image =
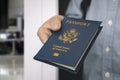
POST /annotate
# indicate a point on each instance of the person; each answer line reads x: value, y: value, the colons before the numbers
x: 103, y: 60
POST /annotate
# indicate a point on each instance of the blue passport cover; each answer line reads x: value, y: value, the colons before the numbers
x: 68, y: 47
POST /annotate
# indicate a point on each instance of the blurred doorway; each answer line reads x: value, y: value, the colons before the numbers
x: 11, y: 39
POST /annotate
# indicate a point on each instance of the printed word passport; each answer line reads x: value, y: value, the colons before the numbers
x: 68, y: 47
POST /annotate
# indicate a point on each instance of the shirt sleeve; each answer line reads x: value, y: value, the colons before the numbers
x: 73, y: 9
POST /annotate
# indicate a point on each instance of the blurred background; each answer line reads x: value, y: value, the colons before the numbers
x: 11, y: 39
x: 16, y: 60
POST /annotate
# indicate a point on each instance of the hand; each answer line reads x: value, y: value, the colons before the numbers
x: 53, y: 24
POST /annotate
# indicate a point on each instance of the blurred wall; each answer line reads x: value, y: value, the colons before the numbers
x: 35, y: 13
x: 15, y: 8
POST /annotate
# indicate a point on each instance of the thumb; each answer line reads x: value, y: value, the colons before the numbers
x: 55, y: 23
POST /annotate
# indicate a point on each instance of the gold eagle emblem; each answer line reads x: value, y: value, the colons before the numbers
x: 69, y: 36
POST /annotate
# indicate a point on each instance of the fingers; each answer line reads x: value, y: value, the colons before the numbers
x: 44, y: 34
x: 53, y: 24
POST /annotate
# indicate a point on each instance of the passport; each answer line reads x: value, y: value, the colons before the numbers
x: 68, y: 47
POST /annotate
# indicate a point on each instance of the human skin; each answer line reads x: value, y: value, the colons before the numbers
x: 49, y: 26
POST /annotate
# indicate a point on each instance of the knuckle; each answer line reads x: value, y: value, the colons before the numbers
x: 39, y: 31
